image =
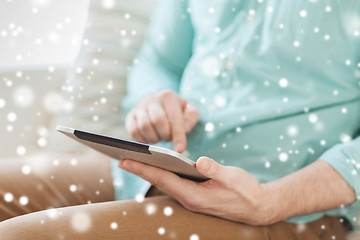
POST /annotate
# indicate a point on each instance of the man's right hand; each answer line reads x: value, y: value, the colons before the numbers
x: 163, y: 116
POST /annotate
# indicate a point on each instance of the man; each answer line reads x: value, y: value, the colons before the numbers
x: 269, y: 83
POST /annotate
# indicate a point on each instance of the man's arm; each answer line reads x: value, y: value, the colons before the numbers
x: 164, y: 55
x: 152, y: 107
x: 315, y: 188
x: 233, y: 194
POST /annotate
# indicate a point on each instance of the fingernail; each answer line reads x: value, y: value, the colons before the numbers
x: 187, y: 127
x: 125, y: 164
x: 179, y: 147
x: 205, y: 165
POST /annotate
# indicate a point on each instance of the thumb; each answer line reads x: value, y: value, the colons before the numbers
x: 191, y: 116
x: 210, y: 168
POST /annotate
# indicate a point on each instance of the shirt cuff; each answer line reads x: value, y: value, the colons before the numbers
x: 345, y: 159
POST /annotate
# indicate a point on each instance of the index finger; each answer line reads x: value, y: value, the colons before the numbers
x: 175, y: 115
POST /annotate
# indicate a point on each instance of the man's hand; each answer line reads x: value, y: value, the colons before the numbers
x: 231, y: 192
x: 162, y: 116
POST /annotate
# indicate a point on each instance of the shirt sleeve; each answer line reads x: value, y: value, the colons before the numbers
x: 164, y: 54
x: 345, y: 159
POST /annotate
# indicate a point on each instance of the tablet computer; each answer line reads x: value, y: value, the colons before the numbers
x: 124, y: 149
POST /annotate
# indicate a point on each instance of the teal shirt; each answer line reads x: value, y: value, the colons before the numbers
x: 276, y: 84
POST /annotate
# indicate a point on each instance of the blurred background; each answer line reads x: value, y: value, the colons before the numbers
x: 65, y: 62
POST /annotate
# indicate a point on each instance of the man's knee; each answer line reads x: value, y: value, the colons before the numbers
x: 29, y: 226
x: 58, y: 223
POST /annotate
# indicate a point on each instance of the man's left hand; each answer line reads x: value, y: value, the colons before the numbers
x: 230, y: 193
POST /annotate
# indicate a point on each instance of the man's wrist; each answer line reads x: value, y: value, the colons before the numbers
x: 270, y: 206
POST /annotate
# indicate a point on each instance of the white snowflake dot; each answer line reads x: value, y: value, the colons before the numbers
x: 56, y: 162
x: 118, y: 182
x: 73, y: 188
x: 150, y: 209
x: 42, y: 142
x: 313, y: 118
x: 108, y: 4
x: 42, y: 131
x: 283, y: 82
x: 52, y: 213
x: 20, y: 150
x: 23, y: 96
x: 8, y: 197
x: 296, y: 43
x: 95, y: 61
x: 2, y: 103
x: 194, y: 237
x: 168, y: 211
x: 209, y: 127
x: 81, y: 221
x: 19, y: 74
x: 139, y: 198
x: 303, y: 13
x: 26, y: 169
x: 23, y: 200
x: 283, y: 157
x: 103, y: 100
x: 11, y: 117
x: 161, y: 231
x: 292, y: 130
x: 95, y: 118
x: 220, y: 101
x: 113, y: 225
x: 344, y: 138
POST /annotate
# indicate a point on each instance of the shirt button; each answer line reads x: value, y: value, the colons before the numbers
x: 250, y: 17
x: 229, y: 64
